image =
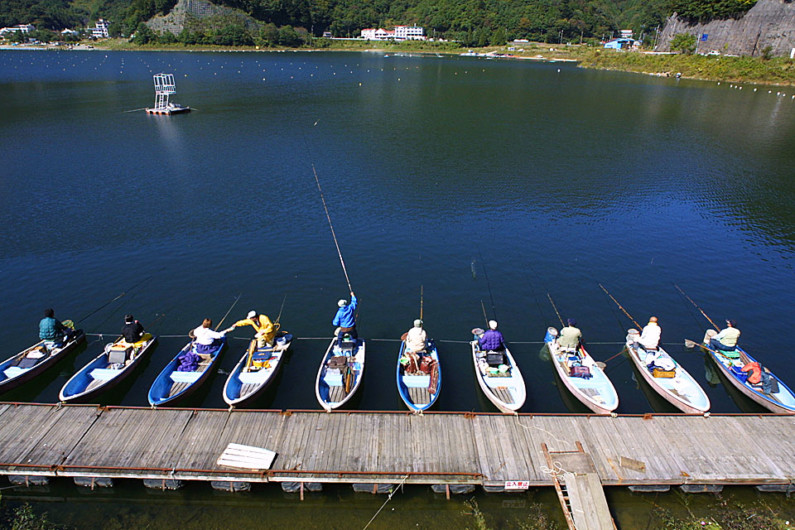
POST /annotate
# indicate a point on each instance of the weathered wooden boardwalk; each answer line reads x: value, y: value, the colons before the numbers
x: 384, y: 447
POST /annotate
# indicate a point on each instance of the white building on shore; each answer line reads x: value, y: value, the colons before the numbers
x: 400, y: 33
x: 21, y: 28
x: 100, y: 30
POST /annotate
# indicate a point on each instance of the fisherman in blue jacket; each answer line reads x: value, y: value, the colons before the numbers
x: 345, y: 319
x: 50, y: 329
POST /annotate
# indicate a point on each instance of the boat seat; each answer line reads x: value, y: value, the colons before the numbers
x: 93, y: 384
x: 246, y: 389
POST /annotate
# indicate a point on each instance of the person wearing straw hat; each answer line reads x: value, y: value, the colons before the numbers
x: 726, y: 340
x: 265, y: 329
x: 345, y: 319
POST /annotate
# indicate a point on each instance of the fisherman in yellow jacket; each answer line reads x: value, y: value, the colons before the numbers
x: 266, y: 330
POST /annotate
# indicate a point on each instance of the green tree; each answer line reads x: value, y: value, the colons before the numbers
x: 684, y: 43
x: 143, y: 34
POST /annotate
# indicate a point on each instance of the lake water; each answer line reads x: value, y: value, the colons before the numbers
x: 485, y: 183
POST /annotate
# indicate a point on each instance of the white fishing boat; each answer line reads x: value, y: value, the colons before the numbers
x: 255, y: 371
x: 671, y: 381
x: 584, y: 378
x: 340, y: 373
x: 770, y: 392
x: 499, y: 377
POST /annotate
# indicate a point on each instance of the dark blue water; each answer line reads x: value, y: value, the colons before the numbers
x: 488, y: 183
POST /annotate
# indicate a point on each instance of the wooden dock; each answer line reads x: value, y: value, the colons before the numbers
x: 488, y: 450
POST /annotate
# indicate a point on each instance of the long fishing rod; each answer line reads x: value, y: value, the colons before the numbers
x: 696, y: 305
x: 228, y: 311
x: 421, y: 301
x: 620, y: 306
x: 331, y: 226
x: 106, y: 304
x: 281, y: 308
x: 483, y: 306
x: 556, y: 310
x: 488, y: 284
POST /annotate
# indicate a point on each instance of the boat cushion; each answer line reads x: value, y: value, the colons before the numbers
x: 734, y: 354
x: 417, y: 381
x: 581, y: 371
x: 184, y: 377
x: 659, y: 372
x: 739, y: 374
x: 104, y: 374
x: 28, y: 362
x: 13, y: 371
x: 333, y: 378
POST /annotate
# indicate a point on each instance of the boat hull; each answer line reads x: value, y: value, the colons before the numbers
x: 405, y: 382
x: 328, y: 383
x: 781, y: 402
x: 513, y: 387
x: 700, y: 402
x: 17, y: 377
x: 160, y: 392
x: 597, y: 393
x: 77, y: 388
x: 234, y: 388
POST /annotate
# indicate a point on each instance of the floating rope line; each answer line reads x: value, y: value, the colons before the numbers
x: 389, y: 498
x: 331, y: 226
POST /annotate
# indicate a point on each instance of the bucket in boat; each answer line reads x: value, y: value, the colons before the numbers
x: 551, y: 335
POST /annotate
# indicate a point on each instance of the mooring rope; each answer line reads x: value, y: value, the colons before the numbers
x: 389, y: 498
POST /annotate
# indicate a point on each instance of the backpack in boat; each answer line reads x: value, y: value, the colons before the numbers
x: 581, y: 371
x: 494, y: 358
x: 337, y: 361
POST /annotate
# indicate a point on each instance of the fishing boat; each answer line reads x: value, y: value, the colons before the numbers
x: 340, y: 373
x: 255, y: 371
x: 173, y: 385
x: 419, y: 381
x: 584, y: 378
x: 673, y: 383
x: 770, y: 393
x: 32, y: 361
x: 108, y: 369
x: 499, y: 377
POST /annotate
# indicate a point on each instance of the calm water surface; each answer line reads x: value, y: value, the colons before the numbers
x: 488, y: 183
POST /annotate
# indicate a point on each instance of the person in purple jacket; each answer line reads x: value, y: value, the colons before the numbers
x: 492, y: 340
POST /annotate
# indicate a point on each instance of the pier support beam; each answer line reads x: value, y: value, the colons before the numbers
x: 375, y: 489
x: 163, y: 484
x: 231, y: 486
x: 93, y: 482
x: 28, y: 480
x: 453, y: 489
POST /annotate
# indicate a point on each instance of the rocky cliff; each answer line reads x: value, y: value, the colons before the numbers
x: 768, y: 23
x: 188, y: 11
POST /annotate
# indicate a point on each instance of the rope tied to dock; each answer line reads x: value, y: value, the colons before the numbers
x: 389, y: 498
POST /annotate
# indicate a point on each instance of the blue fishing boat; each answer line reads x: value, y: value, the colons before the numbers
x: 32, y: 361
x: 419, y: 379
x: 340, y: 373
x: 112, y: 366
x: 583, y: 376
x: 173, y: 385
x: 255, y: 371
x: 770, y: 392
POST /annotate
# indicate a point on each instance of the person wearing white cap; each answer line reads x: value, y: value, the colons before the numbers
x: 416, y: 338
x: 266, y: 330
x: 345, y: 319
x: 492, y: 340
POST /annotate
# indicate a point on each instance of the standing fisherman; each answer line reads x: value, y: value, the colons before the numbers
x: 345, y: 319
x: 266, y: 330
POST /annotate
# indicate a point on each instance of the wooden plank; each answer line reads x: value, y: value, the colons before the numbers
x: 588, y: 503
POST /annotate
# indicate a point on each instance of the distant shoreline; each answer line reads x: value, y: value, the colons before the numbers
x: 777, y: 71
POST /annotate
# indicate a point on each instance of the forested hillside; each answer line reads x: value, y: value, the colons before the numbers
x: 473, y: 22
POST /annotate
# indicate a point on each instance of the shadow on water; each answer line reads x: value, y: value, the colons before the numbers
x: 715, y: 376
x: 569, y: 400
x: 657, y: 402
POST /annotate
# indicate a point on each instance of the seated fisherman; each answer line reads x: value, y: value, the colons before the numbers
x: 133, y: 331
x: 726, y: 340
x: 416, y: 338
x: 207, y: 339
x: 492, y: 340
x: 570, y: 336
x: 265, y: 329
x: 51, y: 330
x: 650, y: 336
